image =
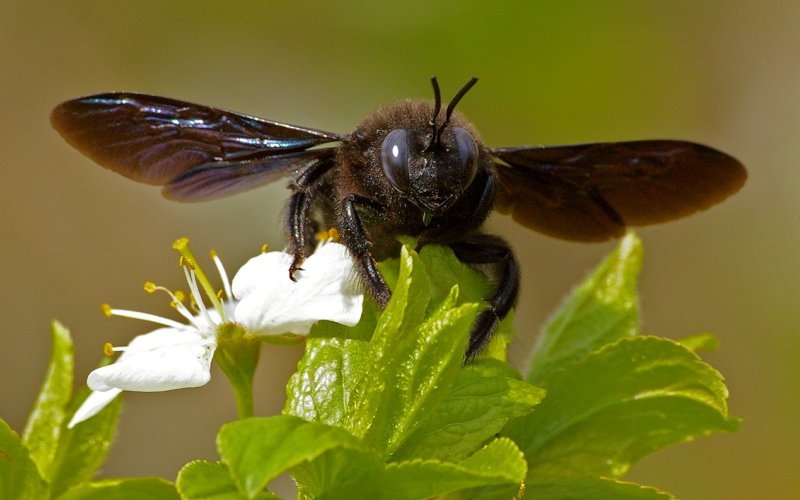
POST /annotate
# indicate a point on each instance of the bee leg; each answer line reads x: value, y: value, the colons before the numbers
x: 298, y: 224
x: 487, y: 249
x: 355, y: 238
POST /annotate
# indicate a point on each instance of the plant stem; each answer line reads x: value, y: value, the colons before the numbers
x: 237, y: 356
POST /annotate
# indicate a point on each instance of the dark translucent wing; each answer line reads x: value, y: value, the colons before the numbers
x: 591, y: 192
x: 215, y: 180
x: 155, y: 139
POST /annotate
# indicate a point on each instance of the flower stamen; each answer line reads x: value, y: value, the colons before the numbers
x: 197, y: 299
x: 176, y: 299
x: 188, y: 261
x: 226, y: 283
x: 109, y: 311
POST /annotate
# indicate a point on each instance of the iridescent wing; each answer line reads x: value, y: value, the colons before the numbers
x: 197, y: 152
x: 591, y: 192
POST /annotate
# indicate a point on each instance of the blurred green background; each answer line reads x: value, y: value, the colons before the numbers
x: 717, y: 72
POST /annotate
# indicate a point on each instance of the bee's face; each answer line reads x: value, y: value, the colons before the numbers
x: 433, y: 175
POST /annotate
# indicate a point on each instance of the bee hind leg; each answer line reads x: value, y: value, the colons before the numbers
x: 488, y: 249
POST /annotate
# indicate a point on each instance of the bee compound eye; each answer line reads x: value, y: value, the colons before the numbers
x: 394, y: 157
x: 467, y: 155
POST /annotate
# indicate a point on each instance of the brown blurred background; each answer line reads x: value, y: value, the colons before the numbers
x: 723, y: 73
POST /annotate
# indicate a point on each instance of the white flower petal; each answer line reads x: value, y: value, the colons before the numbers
x: 270, y: 303
x: 162, y: 360
x: 267, y: 273
x: 92, y: 405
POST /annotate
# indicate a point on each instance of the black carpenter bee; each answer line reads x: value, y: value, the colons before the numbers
x: 410, y: 168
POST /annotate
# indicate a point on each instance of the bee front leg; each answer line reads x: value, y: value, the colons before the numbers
x: 355, y: 238
x: 298, y: 224
x: 487, y: 249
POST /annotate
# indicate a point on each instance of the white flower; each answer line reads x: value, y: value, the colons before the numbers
x: 262, y: 299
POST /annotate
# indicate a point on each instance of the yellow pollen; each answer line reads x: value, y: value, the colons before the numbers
x: 174, y: 304
x: 219, y: 294
x: 321, y: 235
x: 333, y: 234
x: 179, y: 295
x: 186, y: 262
x: 149, y: 287
x: 264, y: 248
x: 106, y: 309
x: 212, y: 253
x: 108, y: 349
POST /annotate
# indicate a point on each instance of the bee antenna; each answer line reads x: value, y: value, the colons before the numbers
x: 450, y: 107
x: 437, y: 96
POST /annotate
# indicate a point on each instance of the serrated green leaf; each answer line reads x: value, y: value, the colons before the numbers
x: 603, y: 309
x: 321, y: 388
x: 257, y: 450
x: 485, y: 396
x: 151, y: 488
x: 19, y: 477
x: 202, y: 480
x: 500, y: 458
x: 389, y: 345
x: 420, y: 377
x: 82, y: 449
x: 340, y: 473
x: 620, y: 403
x: 380, y: 390
x: 344, y: 474
x: 499, y: 462
x: 497, y: 348
x: 447, y: 271
x: 566, y: 488
x: 591, y: 488
x: 45, y: 421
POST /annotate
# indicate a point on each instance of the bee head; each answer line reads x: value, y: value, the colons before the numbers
x: 432, y: 165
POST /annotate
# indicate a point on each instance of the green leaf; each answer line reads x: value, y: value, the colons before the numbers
x: 19, y: 477
x: 43, y: 428
x: 202, y: 480
x: 82, y: 449
x: 379, y: 390
x: 257, y: 450
x: 500, y: 462
x: 322, y: 386
x: 601, y: 310
x: 566, y: 488
x: 343, y: 474
x: 591, y: 488
x: 497, y: 348
x: 338, y: 473
x: 486, y: 395
x: 420, y: 375
x: 405, y: 312
x: 447, y: 271
x: 151, y: 488
x: 620, y: 403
